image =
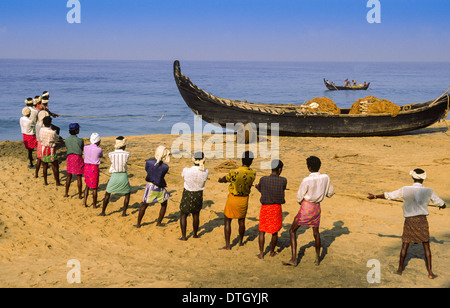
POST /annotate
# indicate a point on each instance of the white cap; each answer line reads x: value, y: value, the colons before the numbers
x: 95, y: 137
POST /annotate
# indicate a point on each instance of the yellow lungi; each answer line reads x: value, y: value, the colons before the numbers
x: 236, y: 207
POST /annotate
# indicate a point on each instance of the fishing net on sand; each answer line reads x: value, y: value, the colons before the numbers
x: 227, y: 166
x: 319, y: 105
x: 371, y: 104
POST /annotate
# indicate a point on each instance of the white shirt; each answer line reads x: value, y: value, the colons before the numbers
x: 27, y: 126
x: 415, y: 199
x: 194, y: 179
x: 33, y: 113
x: 314, y: 188
x: 119, y: 160
x: 38, y: 128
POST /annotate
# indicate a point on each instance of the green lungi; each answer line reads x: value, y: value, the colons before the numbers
x: 118, y: 183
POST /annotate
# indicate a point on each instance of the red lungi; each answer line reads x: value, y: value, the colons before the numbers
x: 75, y: 164
x: 270, y: 218
x: 29, y: 141
x: 91, y: 175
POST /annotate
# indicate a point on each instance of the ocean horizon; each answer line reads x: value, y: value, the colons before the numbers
x: 139, y: 92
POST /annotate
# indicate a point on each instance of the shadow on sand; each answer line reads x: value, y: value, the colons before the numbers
x: 327, y: 237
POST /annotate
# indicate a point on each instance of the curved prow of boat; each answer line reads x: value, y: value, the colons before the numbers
x: 331, y: 86
x: 291, y: 120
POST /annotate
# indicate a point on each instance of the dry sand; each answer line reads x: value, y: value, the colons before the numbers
x: 40, y: 230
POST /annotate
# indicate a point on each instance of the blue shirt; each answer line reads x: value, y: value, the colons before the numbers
x: 156, y: 174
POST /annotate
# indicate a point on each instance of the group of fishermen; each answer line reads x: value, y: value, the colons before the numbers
x: 38, y: 132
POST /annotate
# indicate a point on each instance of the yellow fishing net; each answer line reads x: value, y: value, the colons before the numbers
x: 372, y: 104
x: 321, y: 105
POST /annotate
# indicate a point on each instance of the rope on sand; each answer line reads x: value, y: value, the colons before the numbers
x: 364, y: 197
x: 351, y: 195
x: 142, y: 167
x: 441, y: 161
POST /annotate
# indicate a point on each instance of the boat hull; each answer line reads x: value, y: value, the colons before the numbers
x: 220, y: 111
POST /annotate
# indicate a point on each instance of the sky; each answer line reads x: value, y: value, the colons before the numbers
x: 226, y: 30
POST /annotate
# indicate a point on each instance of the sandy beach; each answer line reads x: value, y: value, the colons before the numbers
x: 40, y: 230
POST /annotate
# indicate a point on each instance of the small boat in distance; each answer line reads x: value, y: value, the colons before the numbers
x: 331, y: 86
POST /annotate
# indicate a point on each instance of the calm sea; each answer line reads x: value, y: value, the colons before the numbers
x: 132, y: 89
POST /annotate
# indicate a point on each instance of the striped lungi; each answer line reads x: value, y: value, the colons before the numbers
x: 309, y: 214
x: 48, y: 154
x: 416, y: 230
x: 155, y: 194
x: 39, y: 150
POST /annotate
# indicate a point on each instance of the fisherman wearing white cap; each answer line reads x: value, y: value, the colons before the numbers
x: 45, y: 97
x: 27, y: 127
x: 192, y: 198
x: 39, y: 124
x: 37, y: 102
x: 155, y: 189
x: 92, y: 155
x: 118, y: 182
x: 415, y: 210
x: 32, y: 106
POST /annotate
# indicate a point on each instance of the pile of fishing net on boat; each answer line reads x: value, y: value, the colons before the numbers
x: 371, y: 104
x: 318, y: 105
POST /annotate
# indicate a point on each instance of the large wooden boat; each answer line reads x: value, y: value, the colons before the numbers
x: 333, y: 87
x: 292, y: 121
